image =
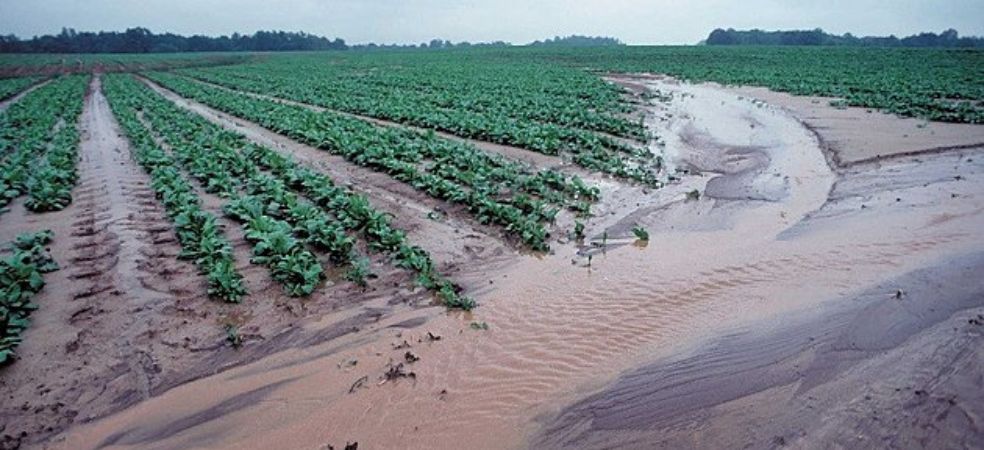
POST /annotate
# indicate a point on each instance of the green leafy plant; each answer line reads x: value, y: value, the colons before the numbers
x: 359, y: 272
x: 39, y: 145
x: 21, y: 277
x: 578, y: 230
x: 288, y: 211
x: 232, y: 336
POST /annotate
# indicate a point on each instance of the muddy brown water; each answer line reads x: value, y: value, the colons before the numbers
x: 801, y: 371
x: 555, y: 329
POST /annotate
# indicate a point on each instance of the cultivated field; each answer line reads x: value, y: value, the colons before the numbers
x: 686, y: 246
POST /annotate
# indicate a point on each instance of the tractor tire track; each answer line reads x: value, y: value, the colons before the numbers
x: 99, y: 312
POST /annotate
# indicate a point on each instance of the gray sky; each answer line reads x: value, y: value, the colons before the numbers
x: 517, y: 21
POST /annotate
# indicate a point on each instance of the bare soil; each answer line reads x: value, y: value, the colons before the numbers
x: 856, y: 134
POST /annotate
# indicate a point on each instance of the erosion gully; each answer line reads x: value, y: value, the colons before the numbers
x: 776, y: 236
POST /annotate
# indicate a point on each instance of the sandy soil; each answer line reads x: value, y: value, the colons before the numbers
x: 859, y: 134
x: 848, y: 134
x: 762, y: 314
x: 872, y: 371
x: 779, y: 249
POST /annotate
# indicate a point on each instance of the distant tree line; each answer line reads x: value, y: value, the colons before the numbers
x: 578, y: 41
x: 568, y: 41
x: 142, y: 40
x: 948, y: 38
x: 433, y: 44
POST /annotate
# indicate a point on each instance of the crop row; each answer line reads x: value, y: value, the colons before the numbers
x: 39, y: 144
x: 412, y: 106
x: 198, y: 232
x: 284, y: 208
x: 210, y: 157
x: 489, y: 187
x: 935, y: 84
x: 10, y: 87
x: 290, y: 264
x: 541, y: 93
x: 21, y: 276
x: 458, y: 162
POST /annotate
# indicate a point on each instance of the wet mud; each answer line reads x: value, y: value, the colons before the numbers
x: 860, y: 368
x: 765, y: 311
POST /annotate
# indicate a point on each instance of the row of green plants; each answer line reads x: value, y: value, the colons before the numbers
x: 408, y: 104
x: 347, y: 214
x: 493, y: 189
x: 10, y: 87
x: 530, y: 93
x: 21, y: 277
x: 200, y: 235
x: 463, y: 163
x: 934, y: 84
x: 43, y: 64
x: 209, y: 155
x: 286, y: 208
x: 39, y: 145
x: 49, y: 186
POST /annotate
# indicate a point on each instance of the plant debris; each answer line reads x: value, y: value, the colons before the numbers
x: 359, y: 383
x: 395, y: 372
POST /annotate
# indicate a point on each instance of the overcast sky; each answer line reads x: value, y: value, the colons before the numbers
x: 517, y: 21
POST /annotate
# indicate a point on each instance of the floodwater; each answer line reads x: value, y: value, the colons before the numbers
x: 776, y: 232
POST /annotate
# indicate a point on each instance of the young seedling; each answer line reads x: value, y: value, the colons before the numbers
x: 233, y: 337
x: 641, y: 234
x: 578, y: 230
x: 359, y: 272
